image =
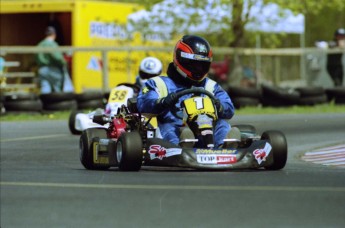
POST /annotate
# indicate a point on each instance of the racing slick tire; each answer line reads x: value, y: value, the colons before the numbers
x: 129, y: 149
x: 71, y: 122
x: 279, y: 149
x: 86, y: 148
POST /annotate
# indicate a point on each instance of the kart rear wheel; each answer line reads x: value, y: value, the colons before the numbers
x: 129, y: 151
x: 86, y: 148
x: 71, y: 122
x: 279, y: 149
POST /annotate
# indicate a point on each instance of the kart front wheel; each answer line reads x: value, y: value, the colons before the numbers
x: 87, y: 149
x: 71, y: 122
x: 129, y: 151
x: 279, y: 149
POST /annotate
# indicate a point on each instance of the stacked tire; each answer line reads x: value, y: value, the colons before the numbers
x: 243, y: 97
x: 90, y: 100
x: 2, y: 107
x: 336, y: 95
x: 58, y: 101
x: 311, y: 95
x: 21, y: 102
x: 279, y: 97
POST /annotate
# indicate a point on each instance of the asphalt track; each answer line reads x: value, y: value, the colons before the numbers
x: 43, y: 183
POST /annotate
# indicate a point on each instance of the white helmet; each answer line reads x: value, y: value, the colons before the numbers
x: 150, y: 67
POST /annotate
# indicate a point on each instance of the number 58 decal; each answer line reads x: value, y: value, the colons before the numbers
x: 118, y: 96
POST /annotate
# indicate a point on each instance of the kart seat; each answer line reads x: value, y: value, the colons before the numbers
x: 233, y: 138
x: 187, y: 138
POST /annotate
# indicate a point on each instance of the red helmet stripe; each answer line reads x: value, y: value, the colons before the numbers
x: 184, y: 47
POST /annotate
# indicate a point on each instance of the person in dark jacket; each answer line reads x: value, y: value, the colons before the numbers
x: 335, y: 67
x: 191, y: 63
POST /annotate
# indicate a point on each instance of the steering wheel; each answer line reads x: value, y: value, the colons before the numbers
x: 174, y: 110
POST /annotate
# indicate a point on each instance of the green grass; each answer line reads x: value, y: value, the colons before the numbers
x: 323, y: 108
x: 63, y: 115
x: 35, y: 116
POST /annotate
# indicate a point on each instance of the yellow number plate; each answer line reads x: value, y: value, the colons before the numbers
x: 118, y: 95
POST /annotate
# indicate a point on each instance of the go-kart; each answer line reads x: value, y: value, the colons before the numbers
x: 130, y: 141
x: 118, y: 96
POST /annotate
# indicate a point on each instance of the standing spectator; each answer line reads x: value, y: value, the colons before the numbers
x: 334, y: 61
x: 52, y: 71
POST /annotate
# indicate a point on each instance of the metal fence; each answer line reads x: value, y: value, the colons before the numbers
x: 275, y: 65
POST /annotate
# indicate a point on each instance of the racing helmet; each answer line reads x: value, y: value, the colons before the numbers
x: 193, y: 57
x: 150, y: 67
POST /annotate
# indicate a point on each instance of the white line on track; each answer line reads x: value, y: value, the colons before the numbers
x: 324, y: 158
x: 324, y: 155
x: 177, y: 187
x: 326, y: 152
x: 33, y: 138
x: 330, y: 161
x: 330, y: 156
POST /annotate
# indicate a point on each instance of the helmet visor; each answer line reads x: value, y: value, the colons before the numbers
x: 144, y: 75
x: 197, y: 69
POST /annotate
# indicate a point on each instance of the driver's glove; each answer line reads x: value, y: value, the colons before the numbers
x: 168, y: 101
x: 219, y: 106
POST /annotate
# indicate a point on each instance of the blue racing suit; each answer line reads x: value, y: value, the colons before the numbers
x: 160, y: 86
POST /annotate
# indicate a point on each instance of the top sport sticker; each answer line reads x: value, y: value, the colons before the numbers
x: 216, y: 159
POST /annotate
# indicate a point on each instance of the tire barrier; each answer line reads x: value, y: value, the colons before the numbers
x: 279, y: 97
x: 336, y: 95
x: 106, y: 96
x: 90, y: 100
x: 2, y: 107
x: 243, y: 97
x: 58, y: 101
x: 91, y: 104
x: 56, y: 97
x: 23, y: 105
x: 241, y: 102
x: 61, y: 106
x: 266, y: 95
x: 21, y: 102
x: 274, y: 96
x: 312, y: 95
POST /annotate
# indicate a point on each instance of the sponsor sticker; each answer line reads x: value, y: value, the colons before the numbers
x: 105, y: 30
x: 261, y: 154
x: 195, y: 56
x: 216, y: 151
x: 226, y: 159
x: 98, y: 157
x: 159, y: 152
x: 216, y: 159
x: 94, y: 64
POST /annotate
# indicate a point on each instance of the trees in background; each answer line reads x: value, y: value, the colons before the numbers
x: 322, y: 17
